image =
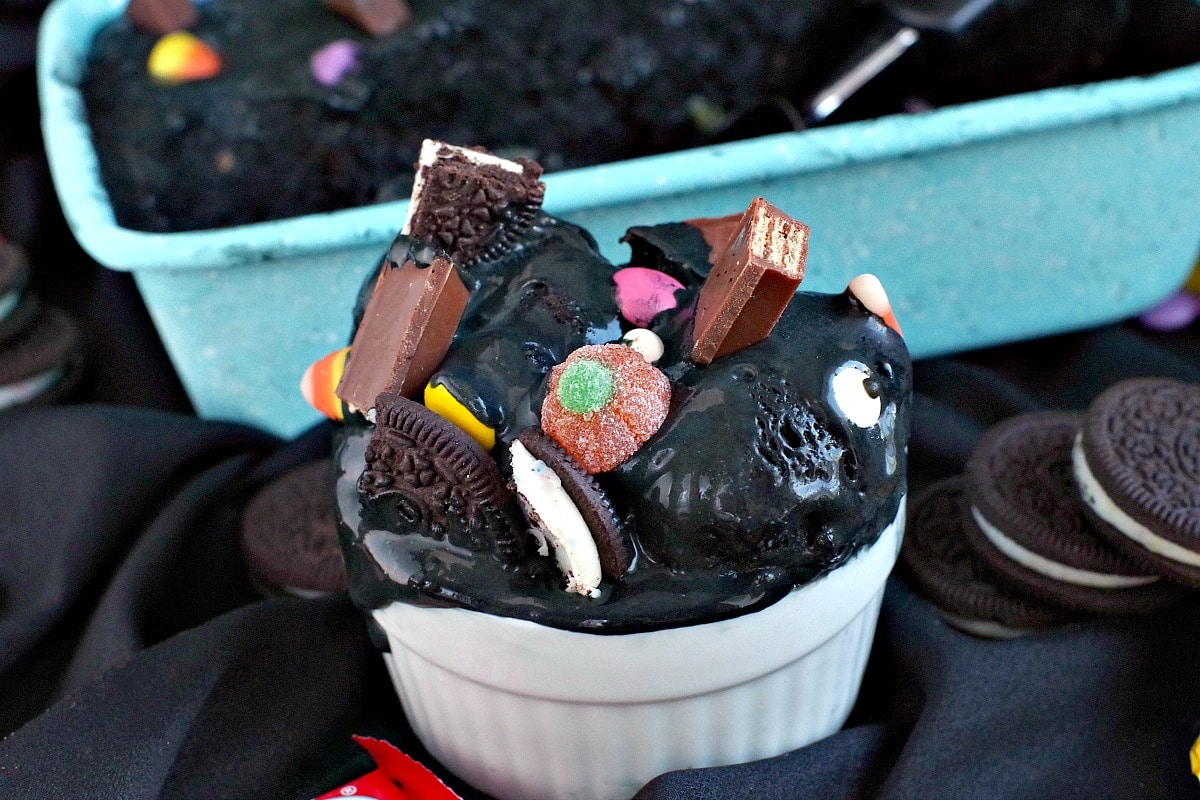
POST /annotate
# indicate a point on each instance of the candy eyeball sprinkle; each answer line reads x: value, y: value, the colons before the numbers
x: 855, y: 392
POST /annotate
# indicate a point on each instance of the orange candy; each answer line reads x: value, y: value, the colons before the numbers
x: 604, y: 402
x: 321, y: 379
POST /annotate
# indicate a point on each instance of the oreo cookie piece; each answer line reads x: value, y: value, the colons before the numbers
x: 1137, y: 468
x: 438, y: 480
x: 1023, y: 517
x: 289, y: 534
x: 945, y: 570
x: 612, y: 544
x: 471, y: 203
x: 20, y: 318
x: 43, y: 364
x: 14, y: 275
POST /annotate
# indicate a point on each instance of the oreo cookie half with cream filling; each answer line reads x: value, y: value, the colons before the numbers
x: 471, y: 203
x: 42, y: 364
x: 1023, y: 517
x: 1137, y: 467
x: 945, y: 570
x: 566, y: 506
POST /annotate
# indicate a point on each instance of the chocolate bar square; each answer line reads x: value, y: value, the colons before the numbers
x: 405, y: 331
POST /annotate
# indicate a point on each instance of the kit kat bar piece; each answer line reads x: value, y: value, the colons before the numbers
x: 376, y: 17
x: 161, y: 17
x: 717, y: 232
x: 749, y: 286
x: 405, y: 331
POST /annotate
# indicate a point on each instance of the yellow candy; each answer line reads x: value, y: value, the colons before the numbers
x: 439, y: 400
x: 1196, y: 758
x: 180, y: 57
x: 1193, y: 281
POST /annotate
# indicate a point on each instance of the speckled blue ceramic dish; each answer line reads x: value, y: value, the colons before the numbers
x: 989, y: 222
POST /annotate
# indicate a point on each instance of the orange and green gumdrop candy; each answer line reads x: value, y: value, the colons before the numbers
x: 604, y: 402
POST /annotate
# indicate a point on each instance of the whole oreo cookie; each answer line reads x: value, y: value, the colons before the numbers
x: 944, y: 569
x: 1023, y: 517
x: 1137, y: 466
x: 612, y: 544
x: 43, y: 364
x: 289, y: 534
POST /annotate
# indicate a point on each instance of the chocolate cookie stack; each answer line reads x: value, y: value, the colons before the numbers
x: 1062, y: 515
x: 40, y: 357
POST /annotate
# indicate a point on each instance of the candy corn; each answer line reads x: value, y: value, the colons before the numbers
x: 319, y: 384
x: 180, y: 57
x: 869, y: 291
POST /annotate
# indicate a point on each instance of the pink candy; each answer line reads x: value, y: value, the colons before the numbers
x: 333, y: 61
x: 644, y: 292
x: 1175, y: 313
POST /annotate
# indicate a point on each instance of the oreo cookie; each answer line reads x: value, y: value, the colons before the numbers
x: 1137, y: 467
x: 289, y: 534
x: 14, y: 275
x: 471, y: 203
x: 1023, y: 517
x: 438, y: 480
x: 612, y: 544
x: 43, y: 363
x: 943, y: 568
x: 20, y: 317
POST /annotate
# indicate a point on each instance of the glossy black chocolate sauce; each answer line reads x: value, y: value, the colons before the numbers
x: 755, y: 484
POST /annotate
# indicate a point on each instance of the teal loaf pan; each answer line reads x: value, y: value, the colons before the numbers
x: 989, y: 222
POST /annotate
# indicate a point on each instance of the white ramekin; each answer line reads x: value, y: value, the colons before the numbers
x: 527, y: 712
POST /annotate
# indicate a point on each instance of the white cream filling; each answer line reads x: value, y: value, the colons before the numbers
x: 1099, y: 501
x: 302, y: 592
x: 431, y: 151
x: 23, y: 391
x: 9, y: 302
x: 980, y: 627
x: 1052, y: 569
x: 556, y: 520
x: 849, y: 391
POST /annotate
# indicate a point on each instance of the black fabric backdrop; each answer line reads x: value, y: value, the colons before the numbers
x: 137, y: 662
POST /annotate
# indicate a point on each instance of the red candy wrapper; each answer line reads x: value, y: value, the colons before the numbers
x: 396, y: 777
